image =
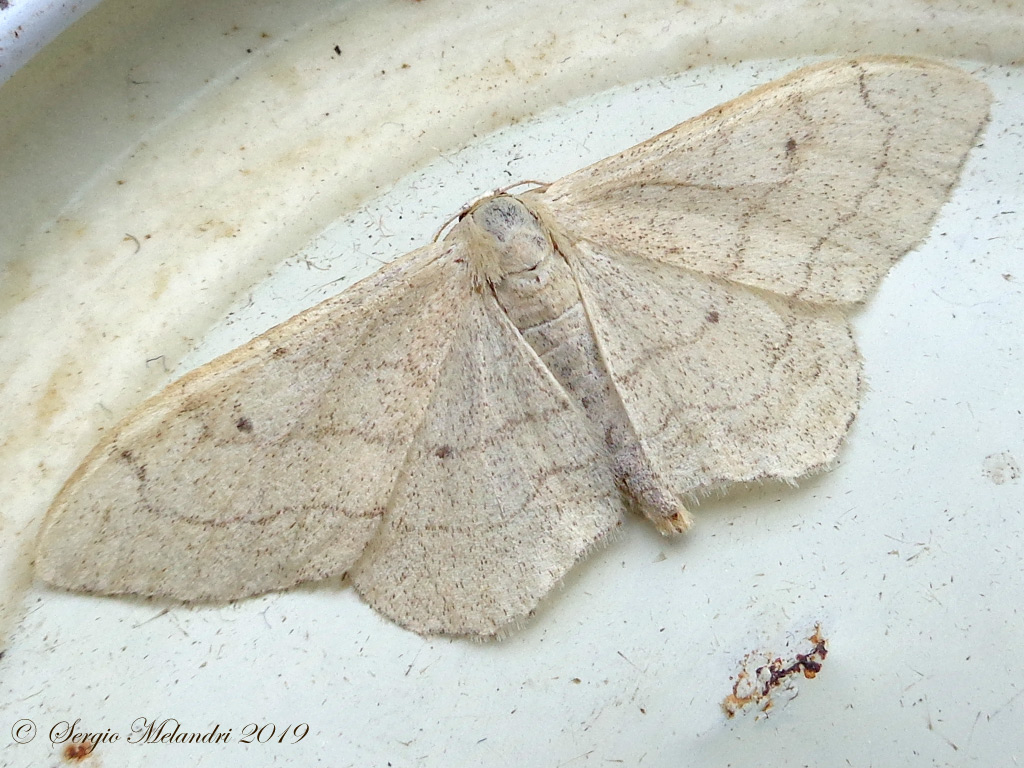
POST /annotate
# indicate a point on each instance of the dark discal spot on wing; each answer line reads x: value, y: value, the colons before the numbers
x: 132, y: 461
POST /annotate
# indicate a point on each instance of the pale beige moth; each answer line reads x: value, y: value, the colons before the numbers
x: 457, y: 430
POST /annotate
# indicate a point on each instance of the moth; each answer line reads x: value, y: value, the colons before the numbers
x: 457, y: 430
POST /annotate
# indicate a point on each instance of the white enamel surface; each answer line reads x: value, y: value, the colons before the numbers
x: 907, y: 553
x: 26, y: 26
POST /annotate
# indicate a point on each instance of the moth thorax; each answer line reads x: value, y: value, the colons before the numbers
x: 530, y: 278
x: 507, y: 238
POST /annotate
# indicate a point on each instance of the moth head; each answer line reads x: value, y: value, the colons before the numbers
x: 505, y: 237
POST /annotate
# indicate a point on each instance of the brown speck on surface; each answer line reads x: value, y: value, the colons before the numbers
x: 337, y: 50
x: 712, y: 316
x: 243, y: 425
x: 443, y: 451
x: 790, y: 145
x: 77, y: 751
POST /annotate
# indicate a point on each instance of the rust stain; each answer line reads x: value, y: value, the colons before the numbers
x: 754, y: 685
x: 77, y: 751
